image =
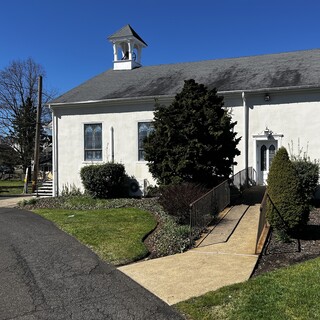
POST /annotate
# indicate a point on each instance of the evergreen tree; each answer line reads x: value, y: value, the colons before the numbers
x: 289, y: 209
x: 24, y: 129
x: 193, y: 138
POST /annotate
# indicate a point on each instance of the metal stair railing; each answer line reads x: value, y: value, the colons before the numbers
x: 263, y: 222
x: 203, y: 210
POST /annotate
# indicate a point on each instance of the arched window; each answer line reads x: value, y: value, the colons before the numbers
x: 93, y: 142
x: 144, y: 129
x: 272, y: 151
x: 263, y: 158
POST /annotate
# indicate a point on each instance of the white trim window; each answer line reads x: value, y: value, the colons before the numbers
x: 144, y: 129
x: 93, y: 142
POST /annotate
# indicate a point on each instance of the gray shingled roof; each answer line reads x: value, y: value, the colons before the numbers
x: 292, y: 69
x: 126, y: 31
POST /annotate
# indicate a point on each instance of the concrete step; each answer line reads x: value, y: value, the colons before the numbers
x: 47, y: 184
x: 45, y: 189
x: 42, y: 194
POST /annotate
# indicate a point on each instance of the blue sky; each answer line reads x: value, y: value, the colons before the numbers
x: 69, y: 37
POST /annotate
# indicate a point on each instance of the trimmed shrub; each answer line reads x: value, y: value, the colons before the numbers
x: 290, y: 210
x: 308, y: 174
x: 105, y: 180
x: 307, y: 171
x: 176, y: 199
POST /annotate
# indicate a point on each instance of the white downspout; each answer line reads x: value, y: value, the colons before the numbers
x: 111, y: 144
x: 55, y: 154
x: 246, y: 136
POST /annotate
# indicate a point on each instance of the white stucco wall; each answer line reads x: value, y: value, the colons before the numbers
x: 124, y: 119
x: 234, y: 105
x: 295, y: 115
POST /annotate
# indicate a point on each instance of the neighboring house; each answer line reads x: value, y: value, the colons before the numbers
x: 274, y: 98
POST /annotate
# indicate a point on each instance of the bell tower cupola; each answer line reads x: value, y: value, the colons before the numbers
x: 127, y: 47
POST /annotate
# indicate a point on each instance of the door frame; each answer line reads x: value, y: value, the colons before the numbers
x: 268, y: 136
x: 262, y: 175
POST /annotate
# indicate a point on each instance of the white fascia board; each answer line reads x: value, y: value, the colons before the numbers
x: 169, y: 98
x: 112, y: 102
x: 295, y: 89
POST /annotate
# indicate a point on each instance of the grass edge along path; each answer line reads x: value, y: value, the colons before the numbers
x: 288, y: 293
x: 115, y: 235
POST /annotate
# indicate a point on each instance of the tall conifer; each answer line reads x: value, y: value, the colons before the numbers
x: 193, y: 140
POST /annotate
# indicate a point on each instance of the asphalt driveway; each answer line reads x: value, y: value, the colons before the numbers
x: 47, y: 274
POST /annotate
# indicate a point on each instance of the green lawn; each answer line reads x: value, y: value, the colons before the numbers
x: 114, y: 234
x: 11, y: 187
x: 11, y: 183
x: 290, y: 293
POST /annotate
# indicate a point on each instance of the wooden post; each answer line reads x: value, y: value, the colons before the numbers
x: 25, y: 187
x: 37, y: 139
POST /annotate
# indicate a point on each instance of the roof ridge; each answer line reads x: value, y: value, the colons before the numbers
x: 235, y: 58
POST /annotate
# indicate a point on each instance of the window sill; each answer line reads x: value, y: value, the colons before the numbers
x: 91, y: 161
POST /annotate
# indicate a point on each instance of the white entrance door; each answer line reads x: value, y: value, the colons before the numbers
x: 266, y: 150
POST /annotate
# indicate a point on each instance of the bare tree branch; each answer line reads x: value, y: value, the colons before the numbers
x: 18, y: 99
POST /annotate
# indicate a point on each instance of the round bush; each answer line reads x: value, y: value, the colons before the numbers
x: 105, y: 180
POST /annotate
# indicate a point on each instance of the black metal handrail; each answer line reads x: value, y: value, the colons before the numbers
x: 262, y: 218
x: 244, y: 178
x: 203, y: 210
x: 263, y: 221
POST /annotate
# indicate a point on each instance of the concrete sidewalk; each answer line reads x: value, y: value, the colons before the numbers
x: 221, y: 259
x: 12, y: 202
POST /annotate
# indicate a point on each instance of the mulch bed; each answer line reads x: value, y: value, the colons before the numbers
x: 277, y: 254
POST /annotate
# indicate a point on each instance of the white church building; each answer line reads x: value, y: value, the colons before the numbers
x: 274, y: 98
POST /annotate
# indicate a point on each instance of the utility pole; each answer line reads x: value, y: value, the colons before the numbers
x: 37, y: 139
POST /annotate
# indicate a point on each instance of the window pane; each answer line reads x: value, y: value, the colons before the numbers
x: 141, y: 155
x: 97, y: 155
x: 88, y: 155
x: 272, y: 151
x: 88, y: 137
x: 97, y: 137
x: 263, y: 157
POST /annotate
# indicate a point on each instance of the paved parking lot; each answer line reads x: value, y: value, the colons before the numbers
x: 47, y: 274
